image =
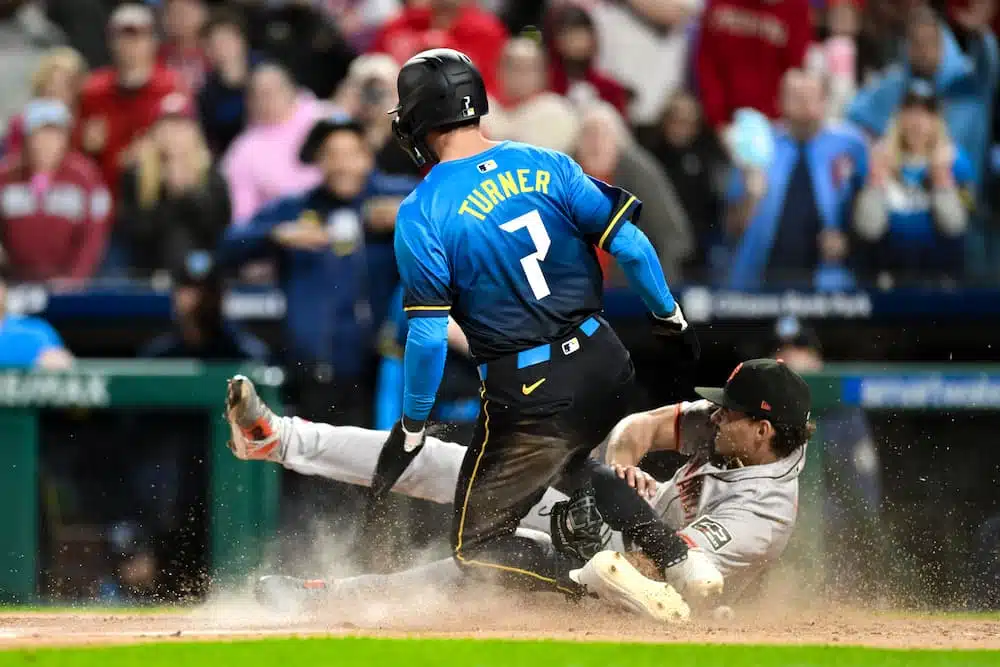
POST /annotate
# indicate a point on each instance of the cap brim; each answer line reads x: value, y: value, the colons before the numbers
x: 715, y: 395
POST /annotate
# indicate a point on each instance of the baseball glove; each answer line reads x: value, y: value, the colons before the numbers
x: 577, y: 527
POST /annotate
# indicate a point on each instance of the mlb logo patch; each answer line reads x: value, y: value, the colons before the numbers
x: 570, y: 346
x: 486, y: 167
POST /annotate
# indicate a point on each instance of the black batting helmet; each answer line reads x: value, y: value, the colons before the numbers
x: 437, y: 89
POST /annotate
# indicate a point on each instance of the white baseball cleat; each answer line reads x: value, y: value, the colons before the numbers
x: 695, y: 577
x: 252, y: 424
x: 611, y: 577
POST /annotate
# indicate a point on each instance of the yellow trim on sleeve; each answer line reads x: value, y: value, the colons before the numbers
x: 614, y: 221
x: 409, y: 308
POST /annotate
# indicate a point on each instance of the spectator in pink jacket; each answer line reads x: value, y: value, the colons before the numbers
x: 263, y: 162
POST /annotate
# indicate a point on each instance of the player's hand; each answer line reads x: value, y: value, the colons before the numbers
x: 674, y: 322
x: 396, y: 454
x: 679, y: 336
x: 638, y: 479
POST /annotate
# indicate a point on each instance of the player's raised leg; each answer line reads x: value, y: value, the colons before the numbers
x: 342, y: 453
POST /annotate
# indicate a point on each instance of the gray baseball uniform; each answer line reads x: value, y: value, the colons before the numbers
x: 741, y: 517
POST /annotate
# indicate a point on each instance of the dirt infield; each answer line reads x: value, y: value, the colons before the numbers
x: 539, y: 617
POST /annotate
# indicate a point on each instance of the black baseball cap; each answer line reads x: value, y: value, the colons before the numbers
x: 322, y: 129
x: 766, y: 389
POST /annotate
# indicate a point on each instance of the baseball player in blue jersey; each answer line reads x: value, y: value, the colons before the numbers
x: 502, y: 236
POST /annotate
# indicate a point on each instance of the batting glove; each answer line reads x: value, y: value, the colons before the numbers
x: 679, y: 336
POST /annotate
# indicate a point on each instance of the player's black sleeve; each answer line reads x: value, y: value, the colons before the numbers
x: 598, y: 209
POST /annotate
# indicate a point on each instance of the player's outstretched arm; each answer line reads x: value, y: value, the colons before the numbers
x: 423, y: 368
x: 604, y: 214
x: 640, y: 433
x: 641, y: 265
x: 425, y: 275
x: 681, y: 427
x: 638, y: 259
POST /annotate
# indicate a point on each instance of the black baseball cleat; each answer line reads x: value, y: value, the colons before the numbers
x: 290, y: 595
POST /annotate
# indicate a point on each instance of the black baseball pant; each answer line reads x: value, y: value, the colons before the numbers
x: 543, y: 412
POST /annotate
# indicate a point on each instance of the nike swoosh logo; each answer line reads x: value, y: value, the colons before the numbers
x: 527, y: 389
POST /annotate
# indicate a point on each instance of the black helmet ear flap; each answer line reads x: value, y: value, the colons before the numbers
x: 408, y: 144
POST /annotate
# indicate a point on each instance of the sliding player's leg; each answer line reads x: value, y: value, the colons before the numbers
x: 342, y: 453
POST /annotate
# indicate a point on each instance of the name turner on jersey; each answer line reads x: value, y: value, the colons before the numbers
x: 481, y: 200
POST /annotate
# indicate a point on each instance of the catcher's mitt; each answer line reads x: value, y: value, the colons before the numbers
x: 577, y: 526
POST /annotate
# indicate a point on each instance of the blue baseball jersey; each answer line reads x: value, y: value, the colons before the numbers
x: 505, y: 241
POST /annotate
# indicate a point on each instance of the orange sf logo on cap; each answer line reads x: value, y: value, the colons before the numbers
x: 735, y: 371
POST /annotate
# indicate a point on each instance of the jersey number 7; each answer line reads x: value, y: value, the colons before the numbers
x: 532, y: 263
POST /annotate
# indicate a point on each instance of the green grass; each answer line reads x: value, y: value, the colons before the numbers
x: 364, y: 652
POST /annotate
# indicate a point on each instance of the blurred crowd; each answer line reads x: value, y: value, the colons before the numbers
x: 820, y: 143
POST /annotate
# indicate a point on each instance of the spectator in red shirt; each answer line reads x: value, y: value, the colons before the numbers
x: 744, y: 49
x: 59, y: 76
x: 453, y: 24
x: 181, y: 50
x: 119, y: 103
x: 53, y: 206
x: 572, y: 43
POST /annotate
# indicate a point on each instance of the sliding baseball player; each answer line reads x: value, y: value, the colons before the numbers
x: 734, y: 501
